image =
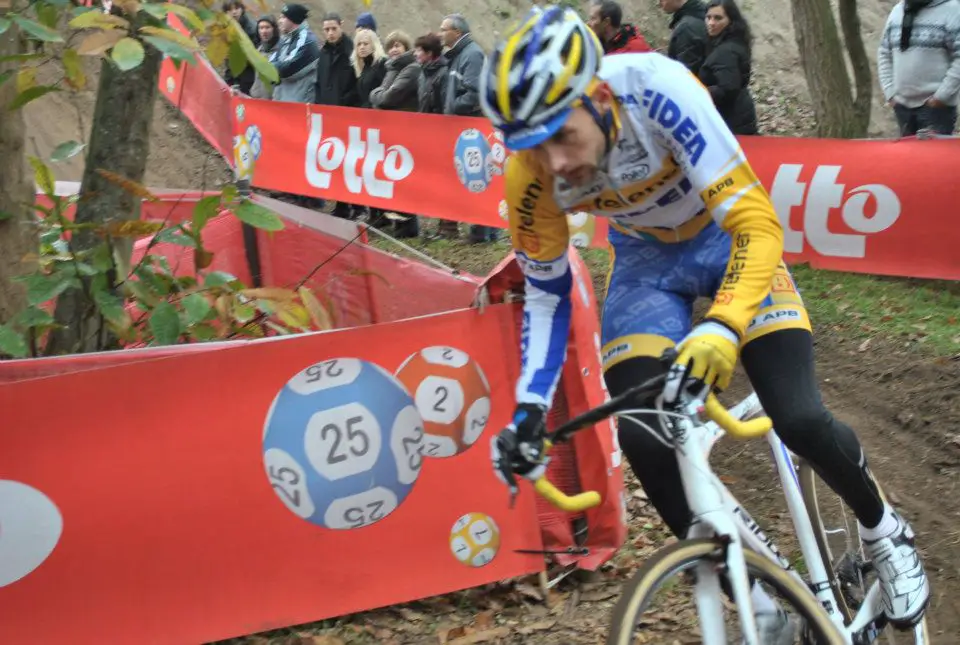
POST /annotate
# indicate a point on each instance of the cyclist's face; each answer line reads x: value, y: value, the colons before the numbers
x: 574, y: 152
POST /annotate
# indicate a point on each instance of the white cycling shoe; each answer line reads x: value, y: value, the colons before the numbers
x: 904, y: 588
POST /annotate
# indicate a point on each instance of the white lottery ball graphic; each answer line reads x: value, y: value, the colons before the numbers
x: 452, y: 395
x: 30, y: 528
x: 475, y: 539
x: 254, y: 140
x: 343, y: 444
x: 171, y: 85
x: 470, y: 156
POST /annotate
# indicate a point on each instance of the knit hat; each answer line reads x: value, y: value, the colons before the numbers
x: 365, y: 21
x: 295, y: 13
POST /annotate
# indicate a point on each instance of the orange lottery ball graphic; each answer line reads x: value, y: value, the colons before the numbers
x: 452, y: 395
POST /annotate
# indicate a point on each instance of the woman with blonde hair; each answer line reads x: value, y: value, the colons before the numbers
x: 369, y: 62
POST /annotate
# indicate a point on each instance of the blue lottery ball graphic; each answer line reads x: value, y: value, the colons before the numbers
x: 470, y: 159
x: 343, y: 443
x: 255, y: 141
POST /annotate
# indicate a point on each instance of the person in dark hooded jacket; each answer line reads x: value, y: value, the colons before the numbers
x: 399, y: 88
x: 244, y: 80
x: 399, y: 92
x: 688, y: 33
x: 431, y: 93
x: 726, y: 70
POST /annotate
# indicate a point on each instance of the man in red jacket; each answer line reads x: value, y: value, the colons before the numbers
x: 605, y: 21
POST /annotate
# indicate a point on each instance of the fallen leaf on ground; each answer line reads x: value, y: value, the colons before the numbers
x: 485, y: 636
x: 452, y: 633
x: 484, y: 620
x: 539, y: 626
x: 326, y: 640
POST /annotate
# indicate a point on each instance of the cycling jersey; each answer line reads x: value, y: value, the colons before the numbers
x: 673, y: 165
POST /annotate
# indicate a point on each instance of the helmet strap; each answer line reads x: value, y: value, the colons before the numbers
x: 603, y: 121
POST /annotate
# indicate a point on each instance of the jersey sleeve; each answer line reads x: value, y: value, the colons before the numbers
x: 680, y: 112
x: 538, y: 231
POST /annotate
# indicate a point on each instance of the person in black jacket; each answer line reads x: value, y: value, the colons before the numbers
x: 399, y: 88
x: 369, y: 63
x: 336, y: 79
x: 433, y: 81
x: 688, y: 33
x: 243, y: 81
x: 726, y: 70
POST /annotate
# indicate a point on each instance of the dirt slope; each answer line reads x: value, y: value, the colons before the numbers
x: 179, y: 157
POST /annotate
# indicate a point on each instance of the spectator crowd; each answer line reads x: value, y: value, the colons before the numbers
x: 438, y: 72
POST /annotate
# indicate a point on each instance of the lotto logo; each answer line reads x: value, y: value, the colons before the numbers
x: 819, y: 197
x: 359, y: 158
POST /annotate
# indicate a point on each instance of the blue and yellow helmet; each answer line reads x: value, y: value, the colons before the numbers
x: 535, y: 75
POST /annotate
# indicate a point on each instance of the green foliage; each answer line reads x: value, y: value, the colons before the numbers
x: 119, y: 39
x: 153, y: 304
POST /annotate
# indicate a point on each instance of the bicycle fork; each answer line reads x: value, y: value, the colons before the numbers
x: 711, y: 520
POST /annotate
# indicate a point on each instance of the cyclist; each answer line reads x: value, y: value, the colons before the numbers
x: 635, y: 138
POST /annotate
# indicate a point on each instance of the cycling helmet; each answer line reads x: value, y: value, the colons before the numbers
x: 537, y: 73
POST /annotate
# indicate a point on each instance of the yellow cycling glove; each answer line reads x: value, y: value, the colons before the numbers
x: 705, y: 359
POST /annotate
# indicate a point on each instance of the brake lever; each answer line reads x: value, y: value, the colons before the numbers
x: 506, y: 469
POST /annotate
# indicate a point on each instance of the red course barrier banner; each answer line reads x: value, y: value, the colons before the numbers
x: 864, y: 206
x: 185, y: 497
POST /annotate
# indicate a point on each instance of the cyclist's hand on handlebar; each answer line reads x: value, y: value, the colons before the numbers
x: 519, y: 449
x: 705, y: 359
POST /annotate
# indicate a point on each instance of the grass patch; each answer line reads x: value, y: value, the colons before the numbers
x: 924, y: 312
x: 917, y: 312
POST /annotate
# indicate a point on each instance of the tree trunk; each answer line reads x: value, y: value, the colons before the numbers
x: 862, y: 75
x: 18, y: 234
x: 821, y: 54
x: 120, y: 144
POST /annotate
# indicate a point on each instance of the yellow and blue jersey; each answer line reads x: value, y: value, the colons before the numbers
x: 674, y: 171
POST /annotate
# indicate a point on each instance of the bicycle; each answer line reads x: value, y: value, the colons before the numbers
x: 836, y: 604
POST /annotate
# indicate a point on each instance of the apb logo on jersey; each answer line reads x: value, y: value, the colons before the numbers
x: 682, y: 128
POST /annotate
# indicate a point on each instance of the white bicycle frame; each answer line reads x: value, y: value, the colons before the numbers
x: 717, y: 513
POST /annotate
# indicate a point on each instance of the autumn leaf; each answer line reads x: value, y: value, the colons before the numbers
x: 318, y: 313
x: 26, y: 78
x: 132, y: 187
x: 42, y: 176
x: 99, y: 42
x: 173, y: 36
x: 100, y: 20
x: 202, y: 258
x: 294, y: 315
x: 269, y: 293
x: 73, y: 69
x: 217, y: 50
x: 132, y: 228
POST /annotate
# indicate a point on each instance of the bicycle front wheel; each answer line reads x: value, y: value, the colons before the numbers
x: 681, y: 557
